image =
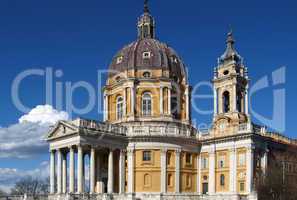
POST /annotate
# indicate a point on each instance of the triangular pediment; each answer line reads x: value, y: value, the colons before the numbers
x: 62, y: 129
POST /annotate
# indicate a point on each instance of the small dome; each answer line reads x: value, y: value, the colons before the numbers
x: 148, y: 54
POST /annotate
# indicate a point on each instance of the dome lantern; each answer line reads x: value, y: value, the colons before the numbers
x: 146, y: 23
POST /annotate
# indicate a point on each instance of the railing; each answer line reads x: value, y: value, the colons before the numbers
x: 261, y: 130
x: 100, y: 126
x: 171, y: 130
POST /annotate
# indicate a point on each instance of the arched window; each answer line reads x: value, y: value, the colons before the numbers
x: 222, y: 180
x: 147, y: 180
x: 146, y: 104
x: 175, y: 106
x: 119, y: 110
x: 226, y: 101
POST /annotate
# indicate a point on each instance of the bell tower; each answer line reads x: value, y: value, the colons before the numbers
x: 230, y: 85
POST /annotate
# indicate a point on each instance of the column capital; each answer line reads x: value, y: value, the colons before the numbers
x: 178, y: 151
x: 251, y: 149
x: 52, y: 151
x: 123, y: 150
x: 164, y: 150
x: 233, y: 150
x: 130, y: 151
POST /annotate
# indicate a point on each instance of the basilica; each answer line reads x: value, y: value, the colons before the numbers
x: 147, y: 148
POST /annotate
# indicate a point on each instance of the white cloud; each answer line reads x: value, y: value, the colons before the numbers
x: 45, y: 115
x: 9, y: 176
x: 27, y: 138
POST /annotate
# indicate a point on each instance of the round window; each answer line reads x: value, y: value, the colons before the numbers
x: 146, y: 74
x: 226, y: 72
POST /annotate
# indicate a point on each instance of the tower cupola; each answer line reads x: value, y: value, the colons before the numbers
x: 230, y: 53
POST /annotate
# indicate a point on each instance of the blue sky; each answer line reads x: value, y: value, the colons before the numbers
x: 81, y: 37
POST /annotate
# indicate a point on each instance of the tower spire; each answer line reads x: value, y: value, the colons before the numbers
x: 230, y: 52
x: 146, y: 7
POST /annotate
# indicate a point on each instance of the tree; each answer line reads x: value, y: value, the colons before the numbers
x: 31, y: 186
x: 2, y: 193
x: 275, y: 185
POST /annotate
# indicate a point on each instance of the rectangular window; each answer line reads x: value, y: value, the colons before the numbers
x: 147, y: 156
x: 188, y: 159
x: 241, y: 187
x: 221, y: 162
x: 204, y: 164
x: 241, y: 159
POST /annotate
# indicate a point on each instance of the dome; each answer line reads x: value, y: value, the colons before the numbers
x: 148, y: 54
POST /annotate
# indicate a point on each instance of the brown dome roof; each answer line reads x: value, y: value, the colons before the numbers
x: 161, y: 57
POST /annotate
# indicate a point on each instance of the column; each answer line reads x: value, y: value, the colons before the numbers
x: 212, y: 169
x: 110, y: 172
x: 215, y: 103
x: 132, y: 91
x: 98, y: 175
x: 233, y: 170
x: 199, y: 174
x: 246, y: 101
x: 177, y: 171
x: 80, y: 163
x: 130, y: 170
x: 106, y: 108
x: 163, y: 170
x: 265, y: 160
x: 125, y: 102
x: 71, y: 170
x: 161, y: 101
x: 187, y: 103
x: 169, y: 101
x: 250, y: 169
x: 234, y: 99
x: 64, y: 178
x: 122, y: 176
x: 92, y: 171
x: 59, y: 172
x: 52, y: 173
